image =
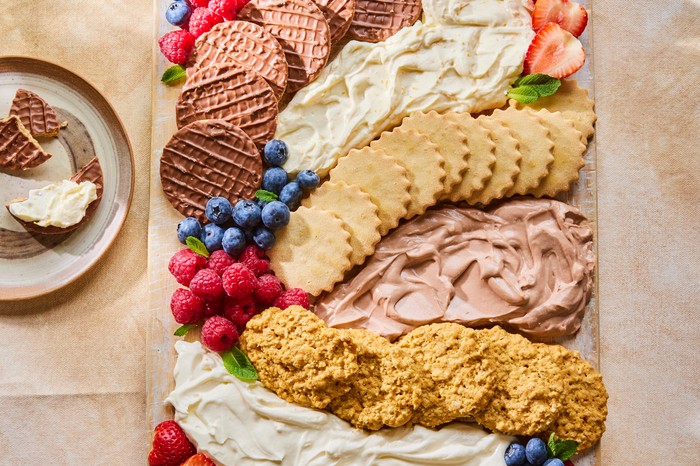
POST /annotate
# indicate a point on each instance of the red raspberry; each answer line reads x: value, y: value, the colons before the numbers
x: 268, y: 290
x: 198, y: 3
x: 227, y: 9
x: 568, y: 463
x: 219, y: 333
x: 219, y: 261
x: 240, y: 310
x: 170, y: 445
x: 176, y: 46
x: 186, y: 307
x: 240, y: 4
x: 207, y: 285
x: 254, y: 258
x: 215, y: 307
x: 185, y: 264
x: 202, y: 20
x: 293, y: 297
x: 239, y: 281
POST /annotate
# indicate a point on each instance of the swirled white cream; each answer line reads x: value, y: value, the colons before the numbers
x: 60, y: 204
x: 462, y: 58
x: 241, y: 424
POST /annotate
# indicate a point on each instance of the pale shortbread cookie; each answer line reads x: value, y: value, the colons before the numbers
x: 382, y: 177
x: 452, y: 143
x: 482, y: 157
x: 507, y: 166
x: 312, y: 252
x: 356, y: 209
x: 534, y: 144
x: 573, y: 102
x: 568, y: 154
x: 423, y: 162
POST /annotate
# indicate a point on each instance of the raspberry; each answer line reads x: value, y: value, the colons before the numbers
x: 176, y: 46
x: 227, y: 9
x: 219, y: 333
x: 240, y: 4
x: 293, y: 297
x: 219, y: 261
x: 254, y: 258
x: 170, y: 445
x: 207, y: 285
x: 268, y: 290
x: 185, y: 264
x: 240, y: 310
x: 202, y: 20
x: 214, y: 307
x: 239, y: 281
x: 198, y: 3
x: 186, y: 307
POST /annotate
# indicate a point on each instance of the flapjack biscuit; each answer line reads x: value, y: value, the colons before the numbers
x: 312, y: 252
x: 18, y: 148
x: 356, y: 209
x: 377, y: 20
x: 382, y: 177
x: 339, y: 14
x: 37, y: 116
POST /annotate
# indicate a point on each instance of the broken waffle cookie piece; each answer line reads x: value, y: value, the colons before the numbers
x: 36, y: 114
x: 18, y: 149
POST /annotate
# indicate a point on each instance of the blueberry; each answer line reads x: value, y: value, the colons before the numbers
x: 291, y: 195
x: 536, y: 451
x: 515, y: 455
x: 178, y: 13
x: 276, y: 153
x: 275, y: 215
x: 212, y: 235
x: 188, y: 227
x: 218, y: 210
x: 274, y: 179
x: 246, y: 214
x: 233, y: 241
x: 308, y: 179
x: 554, y: 462
x: 260, y: 203
x: 264, y: 238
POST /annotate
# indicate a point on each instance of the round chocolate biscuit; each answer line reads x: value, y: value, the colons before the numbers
x: 245, y: 44
x: 302, y: 31
x: 377, y: 20
x: 231, y: 93
x: 206, y: 159
x: 35, y: 114
x: 339, y: 14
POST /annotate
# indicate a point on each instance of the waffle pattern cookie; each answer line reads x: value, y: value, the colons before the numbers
x: 36, y: 114
x: 18, y: 148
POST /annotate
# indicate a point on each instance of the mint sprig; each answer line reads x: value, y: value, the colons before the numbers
x: 196, y: 245
x: 562, y: 449
x: 528, y: 89
x: 173, y: 74
x: 238, y: 364
x: 265, y: 196
x: 184, y: 330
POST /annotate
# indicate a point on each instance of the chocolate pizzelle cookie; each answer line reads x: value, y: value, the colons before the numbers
x: 206, y: 159
x: 228, y: 92
x: 18, y: 149
x: 301, y: 29
x: 245, y: 44
x: 35, y: 114
x: 377, y: 20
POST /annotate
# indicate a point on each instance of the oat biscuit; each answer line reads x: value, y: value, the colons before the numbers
x: 534, y: 144
x: 382, y: 177
x: 423, y: 162
x: 312, y: 252
x: 507, y: 166
x: 356, y: 209
x: 568, y: 154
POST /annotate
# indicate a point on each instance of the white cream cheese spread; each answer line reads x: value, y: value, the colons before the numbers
x: 240, y: 424
x: 462, y: 58
x: 60, y: 204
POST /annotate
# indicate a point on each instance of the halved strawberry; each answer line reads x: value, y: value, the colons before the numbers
x: 555, y: 52
x: 569, y: 15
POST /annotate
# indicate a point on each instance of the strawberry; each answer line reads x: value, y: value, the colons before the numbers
x: 199, y: 460
x: 170, y: 445
x: 555, y: 52
x: 569, y: 15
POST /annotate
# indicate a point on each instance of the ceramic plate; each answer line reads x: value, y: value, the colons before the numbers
x: 30, y: 264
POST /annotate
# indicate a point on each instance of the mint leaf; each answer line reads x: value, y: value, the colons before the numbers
x: 182, y: 331
x: 562, y: 449
x: 523, y: 94
x: 533, y: 80
x: 196, y: 245
x: 173, y: 74
x: 265, y: 196
x: 543, y: 84
x: 238, y: 364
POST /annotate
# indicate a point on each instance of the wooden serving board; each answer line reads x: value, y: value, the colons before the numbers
x: 163, y: 243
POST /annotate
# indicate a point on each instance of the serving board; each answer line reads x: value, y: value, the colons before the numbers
x: 163, y: 243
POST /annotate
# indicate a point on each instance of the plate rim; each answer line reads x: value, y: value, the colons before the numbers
x: 24, y: 62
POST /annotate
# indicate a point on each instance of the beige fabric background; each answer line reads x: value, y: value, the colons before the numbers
x: 72, y: 365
